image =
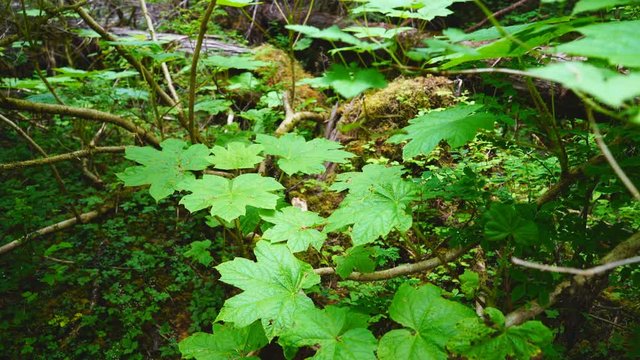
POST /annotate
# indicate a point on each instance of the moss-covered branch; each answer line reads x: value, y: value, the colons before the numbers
x: 62, y: 157
x: 83, y: 113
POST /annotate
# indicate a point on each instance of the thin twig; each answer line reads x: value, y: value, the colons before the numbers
x: 62, y: 157
x: 569, y: 270
x: 609, y: 156
x: 496, y: 15
x: 54, y: 169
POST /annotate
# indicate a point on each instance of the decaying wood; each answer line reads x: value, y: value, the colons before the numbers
x: 210, y: 43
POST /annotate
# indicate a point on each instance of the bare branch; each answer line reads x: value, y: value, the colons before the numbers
x: 291, y: 118
x: 624, y: 250
x: 400, y: 270
x: 610, y: 159
x: 597, y: 270
x: 86, y: 217
x: 83, y: 113
x: 75, y: 155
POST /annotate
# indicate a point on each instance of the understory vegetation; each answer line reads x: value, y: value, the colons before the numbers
x: 369, y: 179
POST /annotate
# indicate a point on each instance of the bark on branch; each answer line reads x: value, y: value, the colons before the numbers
x: 83, y: 113
x: 86, y: 217
x: 626, y: 249
x: 291, y: 118
x: 400, y: 270
x: 62, y: 157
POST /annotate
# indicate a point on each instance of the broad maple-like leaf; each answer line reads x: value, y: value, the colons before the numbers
x: 374, y: 212
x: 475, y: 340
x: 226, y: 343
x: 591, y: 5
x: 456, y: 125
x: 362, y: 182
x: 199, y: 251
x: 236, y: 156
x: 165, y: 169
x: 597, y: 43
x: 298, y: 155
x: 603, y: 84
x: 273, y: 288
x: 350, y: 81
x: 229, y: 198
x: 432, y: 321
x: 296, y: 228
x: 340, y: 334
x: 503, y: 221
x: 357, y: 258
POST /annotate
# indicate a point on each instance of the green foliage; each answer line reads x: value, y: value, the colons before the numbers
x: 432, y: 321
x: 349, y: 81
x: 456, y: 125
x: 227, y: 342
x: 165, y: 169
x: 408, y: 9
x: 357, y: 258
x: 229, y: 199
x: 296, y: 227
x: 504, y: 221
x: 200, y: 252
x: 296, y: 155
x: 469, y: 283
x: 475, y: 340
x: 373, y: 208
x: 272, y: 288
x: 605, y: 85
x: 591, y: 5
x: 115, y: 289
x: 625, y: 50
x: 341, y: 334
x: 236, y: 156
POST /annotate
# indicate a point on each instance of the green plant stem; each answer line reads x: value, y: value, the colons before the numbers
x: 417, y: 253
x: 193, y: 130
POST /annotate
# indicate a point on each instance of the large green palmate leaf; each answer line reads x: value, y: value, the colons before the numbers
x: 296, y: 227
x: 226, y: 343
x: 296, y: 155
x: 349, y: 81
x: 522, y: 39
x: 376, y: 211
x: 432, y: 321
x: 503, y: 221
x: 165, y: 169
x: 456, y: 125
x: 475, y: 340
x: 357, y: 258
x: 229, y: 198
x: 340, y: 333
x: 590, y: 5
x: 236, y: 156
x: 361, y: 183
x: 273, y: 288
x: 605, y: 85
x: 597, y: 43
x: 426, y: 10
